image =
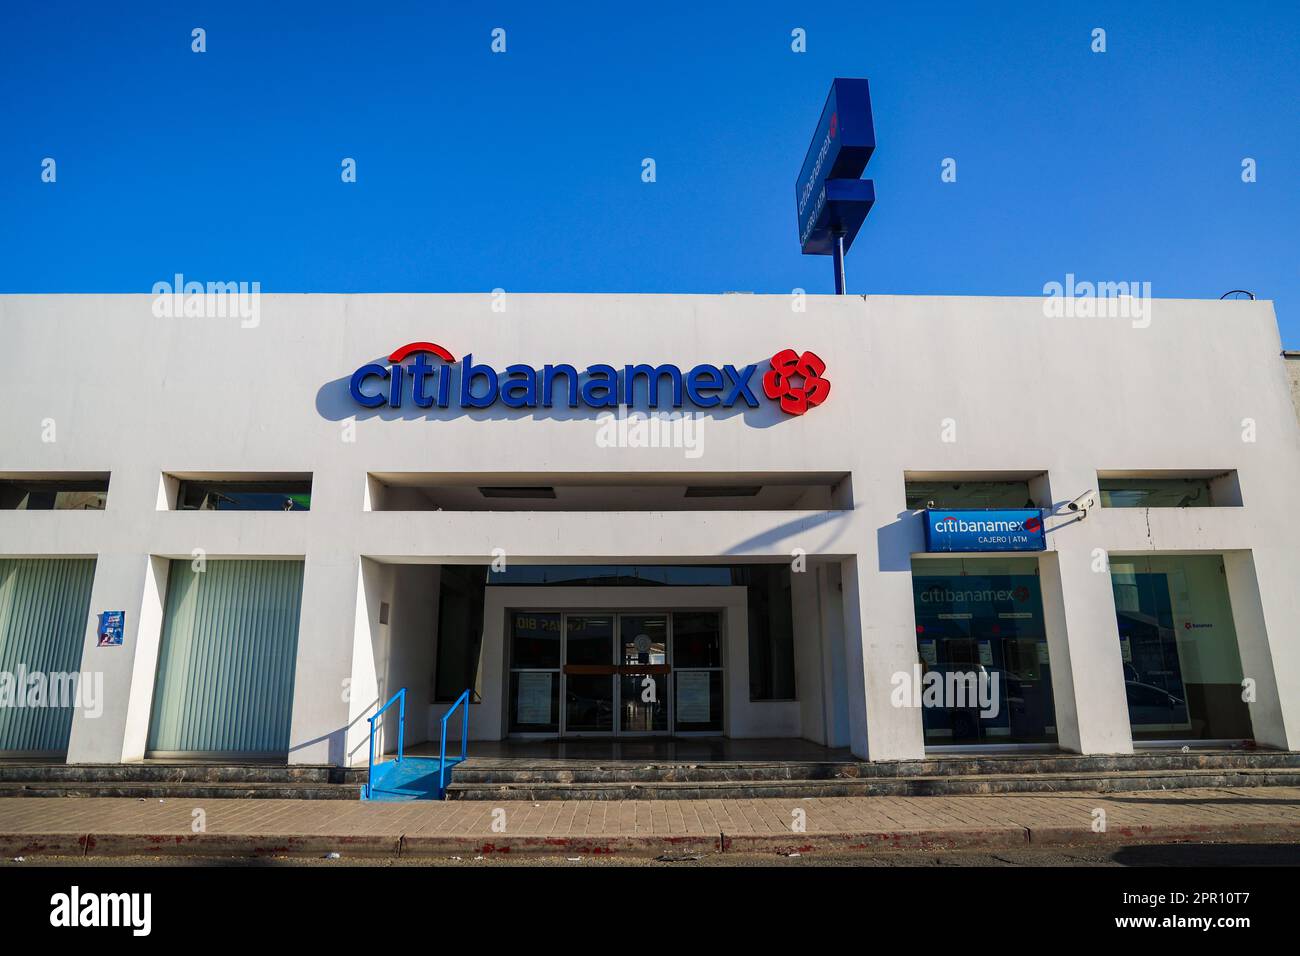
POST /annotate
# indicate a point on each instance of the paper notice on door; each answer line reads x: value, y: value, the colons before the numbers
x: 534, y: 697
x: 692, y: 697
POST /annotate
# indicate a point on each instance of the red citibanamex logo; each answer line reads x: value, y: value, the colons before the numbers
x: 796, y: 380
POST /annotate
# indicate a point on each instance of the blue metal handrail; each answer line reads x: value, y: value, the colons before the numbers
x: 464, y: 739
x: 400, y: 698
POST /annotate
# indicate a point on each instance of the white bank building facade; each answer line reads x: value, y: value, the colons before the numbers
x: 886, y: 525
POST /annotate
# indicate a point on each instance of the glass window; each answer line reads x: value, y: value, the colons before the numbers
x: 697, y: 639
x: 59, y: 495
x: 644, y: 638
x: 697, y: 671
x: 589, y: 703
x: 460, y: 632
x: 699, y: 701
x: 591, y: 639
x: 771, y: 631
x: 226, y: 658
x: 985, y: 674
x: 534, y: 702
x: 1155, y: 492
x: 1182, y: 666
x: 534, y: 639
x: 968, y: 494
x: 244, y: 496
x: 534, y: 705
x: 44, y: 608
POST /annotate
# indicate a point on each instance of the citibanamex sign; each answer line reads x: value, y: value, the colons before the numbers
x: 796, y: 381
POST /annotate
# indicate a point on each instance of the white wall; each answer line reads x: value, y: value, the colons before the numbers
x: 137, y: 396
x: 388, y: 657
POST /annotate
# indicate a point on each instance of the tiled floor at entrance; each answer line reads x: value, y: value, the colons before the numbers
x: 485, y: 754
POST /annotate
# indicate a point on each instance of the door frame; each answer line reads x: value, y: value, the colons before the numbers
x: 670, y: 703
x: 499, y: 602
x: 616, y: 673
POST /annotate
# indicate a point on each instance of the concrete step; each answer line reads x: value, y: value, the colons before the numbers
x: 176, y: 773
x: 489, y: 772
x: 193, y: 790
x: 964, y: 784
x: 1147, y: 760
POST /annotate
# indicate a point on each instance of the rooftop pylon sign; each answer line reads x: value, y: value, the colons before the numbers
x: 831, y: 200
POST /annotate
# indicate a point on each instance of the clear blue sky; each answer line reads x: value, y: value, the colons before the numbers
x: 523, y: 170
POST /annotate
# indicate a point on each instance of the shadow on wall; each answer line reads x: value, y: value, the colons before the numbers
x: 338, y: 754
x: 334, y: 403
x: 898, y: 540
x: 837, y: 521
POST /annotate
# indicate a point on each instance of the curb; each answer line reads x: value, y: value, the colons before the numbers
x: 196, y: 844
x: 437, y: 846
x: 1166, y: 833
x: 434, y: 845
x: 939, y: 838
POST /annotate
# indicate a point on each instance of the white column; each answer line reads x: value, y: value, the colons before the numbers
x: 121, y: 677
x: 1083, y: 645
x: 879, y: 642
x: 1265, y: 608
x: 322, y: 685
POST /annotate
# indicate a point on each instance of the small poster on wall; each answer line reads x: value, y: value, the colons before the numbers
x: 112, y: 625
x: 534, y: 704
x: 693, y: 697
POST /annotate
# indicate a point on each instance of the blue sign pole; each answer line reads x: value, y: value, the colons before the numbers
x: 839, y: 263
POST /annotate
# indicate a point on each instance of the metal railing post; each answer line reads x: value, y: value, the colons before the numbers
x: 401, y: 725
x: 370, y: 766
x: 464, y: 731
x: 464, y: 738
x: 442, y: 755
x: 400, y: 699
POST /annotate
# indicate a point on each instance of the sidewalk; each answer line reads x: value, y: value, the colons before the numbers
x: 31, y: 826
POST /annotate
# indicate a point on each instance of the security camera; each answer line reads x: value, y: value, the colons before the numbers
x: 1082, y: 503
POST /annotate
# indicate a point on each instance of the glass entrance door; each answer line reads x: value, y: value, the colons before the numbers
x: 589, y: 673
x: 644, y: 675
x: 631, y: 673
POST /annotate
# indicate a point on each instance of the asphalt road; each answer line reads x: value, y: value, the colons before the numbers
x: 1182, y: 854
